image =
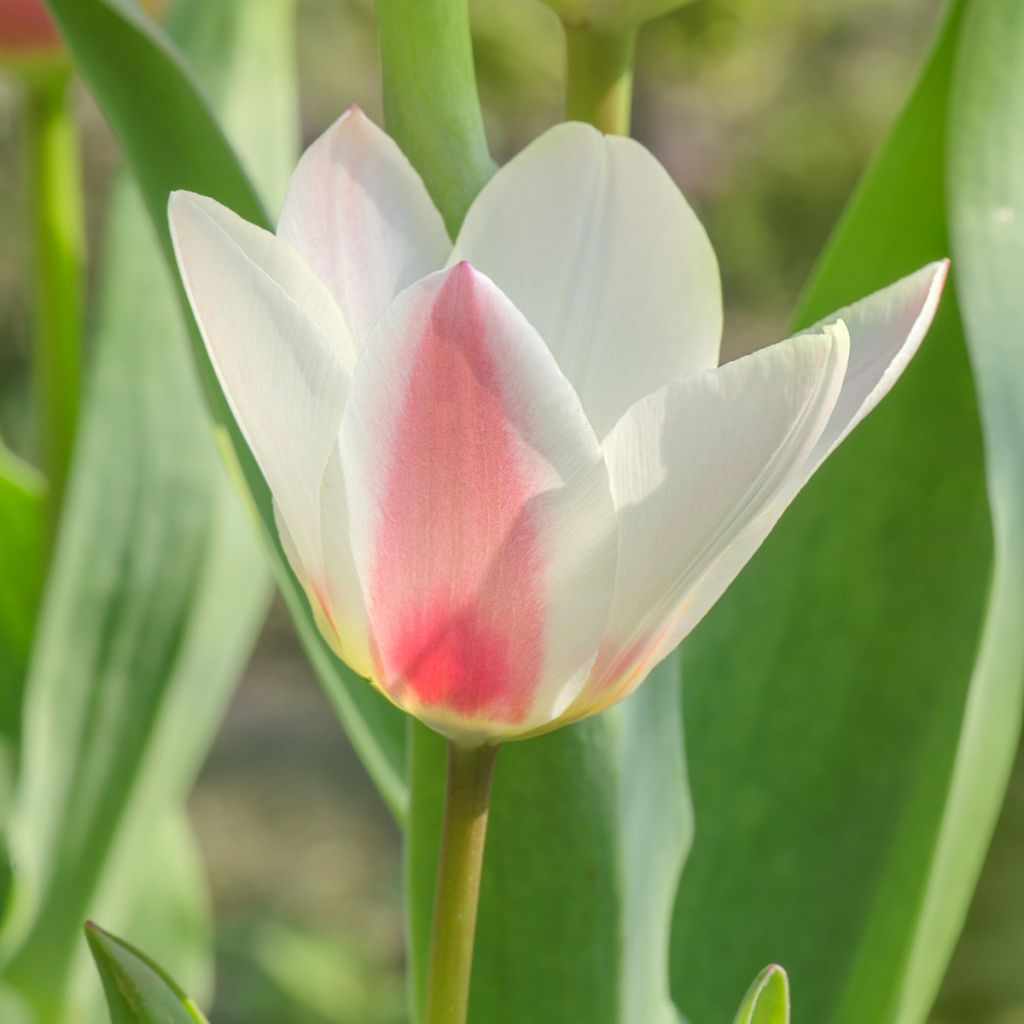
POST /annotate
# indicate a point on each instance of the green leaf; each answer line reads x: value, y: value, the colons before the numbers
x: 767, y: 999
x: 986, y: 207
x: 138, y: 991
x: 852, y: 704
x: 171, y: 140
x: 157, y: 587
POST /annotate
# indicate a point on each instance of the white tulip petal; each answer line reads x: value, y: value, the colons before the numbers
x: 886, y: 329
x: 697, y: 469
x: 591, y: 239
x: 481, y: 516
x: 360, y: 216
x: 283, y: 265
x: 282, y: 373
x: 342, y: 601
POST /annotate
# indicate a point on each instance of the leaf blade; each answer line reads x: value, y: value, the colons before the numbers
x: 171, y: 141
x: 844, y: 775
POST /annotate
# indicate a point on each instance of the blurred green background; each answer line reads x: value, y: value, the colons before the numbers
x: 765, y: 113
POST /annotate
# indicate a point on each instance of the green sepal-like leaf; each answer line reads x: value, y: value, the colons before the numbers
x: 767, y: 999
x: 172, y: 141
x: 137, y: 990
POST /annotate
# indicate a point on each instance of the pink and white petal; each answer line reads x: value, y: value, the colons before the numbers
x: 282, y: 376
x: 697, y: 470
x: 481, y: 518
x: 591, y: 239
x: 360, y: 216
x: 886, y: 330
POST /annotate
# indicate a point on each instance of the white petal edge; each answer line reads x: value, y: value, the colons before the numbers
x: 558, y: 461
x: 282, y: 374
x: 697, y: 468
x: 359, y: 214
x: 594, y: 243
x: 886, y: 330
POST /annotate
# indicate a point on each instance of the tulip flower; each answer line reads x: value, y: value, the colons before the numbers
x: 510, y: 472
x: 26, y: 28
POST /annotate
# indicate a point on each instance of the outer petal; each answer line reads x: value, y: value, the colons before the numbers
x: 697, y: 470
x: 591, y: 239
x: 886, y: 329
x: 277, y: 344
x: 482, y: 522
x: 361, y: 217
x: 344, y: 608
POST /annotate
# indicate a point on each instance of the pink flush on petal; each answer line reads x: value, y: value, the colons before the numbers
x: 457, y: 585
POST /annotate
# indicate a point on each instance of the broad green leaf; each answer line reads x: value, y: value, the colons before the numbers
x: 767, y: 999
x: 837, y: 706
x: 171, y: 140
x: 986, y: 214
x: 157, y: 586
x: 137, y: 990
x: 589, y: 829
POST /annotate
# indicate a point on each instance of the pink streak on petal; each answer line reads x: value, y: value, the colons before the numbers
x: 457, y: 585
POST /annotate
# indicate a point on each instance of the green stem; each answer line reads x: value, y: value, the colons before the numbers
x: 430, y: 99
x: 56, y: 211
x: 599, y: 77
x: 463, y: 834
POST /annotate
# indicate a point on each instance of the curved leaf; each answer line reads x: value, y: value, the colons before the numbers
x: 986, y: 215
x: 156, y: 592
x: 836, y: 704
x: 172, y: 141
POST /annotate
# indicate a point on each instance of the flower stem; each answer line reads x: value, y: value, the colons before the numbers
x: 463, y: 834
x: 599, y: 77
x: 56, y: 211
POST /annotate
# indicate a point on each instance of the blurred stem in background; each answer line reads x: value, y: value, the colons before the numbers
x: 55, y: 208
x: 431, y: 107
x: 599, y: 77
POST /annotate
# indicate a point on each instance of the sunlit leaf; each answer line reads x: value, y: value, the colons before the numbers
x: 172, y: 141
x: 156, y: 591
x: 841, y: 720
x: 986, y: 214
